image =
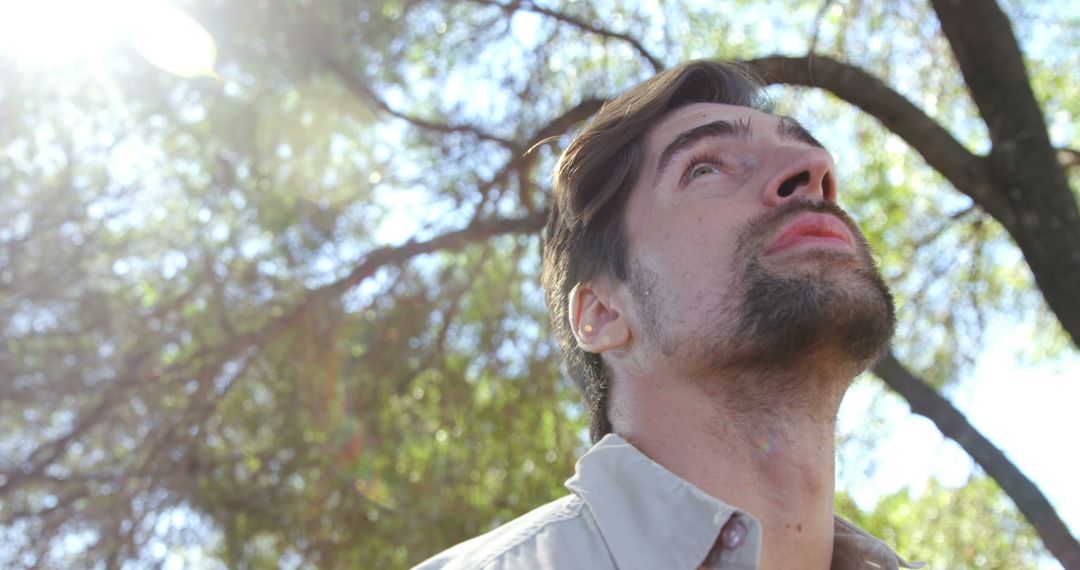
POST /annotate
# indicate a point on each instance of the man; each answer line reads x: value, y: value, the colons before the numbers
x: 713, y: 303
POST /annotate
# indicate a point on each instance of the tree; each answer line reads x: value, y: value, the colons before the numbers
x: 293, y: 313
x: 976, y: 516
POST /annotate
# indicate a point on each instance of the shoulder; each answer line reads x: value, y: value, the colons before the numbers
x: 545, y: 537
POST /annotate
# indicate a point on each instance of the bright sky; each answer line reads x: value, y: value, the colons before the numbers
x: 1028, y: 412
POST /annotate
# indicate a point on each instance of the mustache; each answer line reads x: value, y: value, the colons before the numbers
x: 757, y: 229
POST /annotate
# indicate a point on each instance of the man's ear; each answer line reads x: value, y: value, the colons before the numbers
x: 595, y: 317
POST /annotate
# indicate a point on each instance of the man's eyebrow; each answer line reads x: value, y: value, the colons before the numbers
x: 687, y: 139
x: 789, y: 128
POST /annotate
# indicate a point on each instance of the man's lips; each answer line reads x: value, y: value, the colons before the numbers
x: 812, y: 229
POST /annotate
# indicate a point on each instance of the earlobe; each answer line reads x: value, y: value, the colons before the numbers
x: 596, y: 320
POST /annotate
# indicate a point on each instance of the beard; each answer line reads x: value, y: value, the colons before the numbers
x: 827, y: 311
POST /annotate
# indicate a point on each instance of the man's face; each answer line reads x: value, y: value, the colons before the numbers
x: 739, y: 256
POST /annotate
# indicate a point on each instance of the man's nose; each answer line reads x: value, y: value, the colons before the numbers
x: 806, y: 174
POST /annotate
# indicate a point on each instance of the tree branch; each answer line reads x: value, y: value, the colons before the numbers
x: 925, y: 401
x: 576, y: 22
x: 989, y: 57
x: 965, y: 170
x: 949, y: 223
x: 523, y: 161
x: 361, y: 90
x: 563, y: 123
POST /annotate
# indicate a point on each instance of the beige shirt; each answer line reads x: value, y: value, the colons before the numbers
x: 630, y: 513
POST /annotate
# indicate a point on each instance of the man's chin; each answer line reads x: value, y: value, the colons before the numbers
x: 837, y: 313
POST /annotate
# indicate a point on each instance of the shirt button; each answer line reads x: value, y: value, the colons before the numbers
x: 733, y: 533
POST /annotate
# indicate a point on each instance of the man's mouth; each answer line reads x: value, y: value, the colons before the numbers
x: 815, y: 230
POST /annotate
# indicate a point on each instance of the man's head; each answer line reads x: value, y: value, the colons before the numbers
x: 690, y: 226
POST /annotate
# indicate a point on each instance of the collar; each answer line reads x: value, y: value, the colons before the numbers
x: 854, y: 548
x: 651, y: 518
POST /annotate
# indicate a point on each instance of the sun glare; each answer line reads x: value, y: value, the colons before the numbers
x: 47, y: 33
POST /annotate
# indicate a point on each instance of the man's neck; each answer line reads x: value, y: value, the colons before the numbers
x: 776, y: 464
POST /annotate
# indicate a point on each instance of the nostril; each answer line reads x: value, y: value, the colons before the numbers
x: 828, y: 187
x: 787, y: 187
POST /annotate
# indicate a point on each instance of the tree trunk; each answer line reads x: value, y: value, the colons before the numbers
x: 1042, y: 212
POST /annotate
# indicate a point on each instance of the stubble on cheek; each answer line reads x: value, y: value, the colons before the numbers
x: 675, y: 339
x: 644, y: 286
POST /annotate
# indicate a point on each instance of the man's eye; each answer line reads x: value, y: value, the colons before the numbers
x: 703, y: 169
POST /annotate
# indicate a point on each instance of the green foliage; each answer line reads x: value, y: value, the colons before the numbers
x: 381, y: 421
x: 973, y: 526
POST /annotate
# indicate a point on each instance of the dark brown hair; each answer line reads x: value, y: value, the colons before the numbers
x: 591, y: 183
